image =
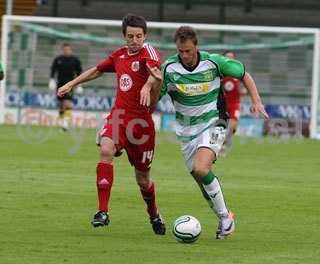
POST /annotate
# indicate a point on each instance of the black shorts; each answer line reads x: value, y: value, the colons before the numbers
x: 68, y: 96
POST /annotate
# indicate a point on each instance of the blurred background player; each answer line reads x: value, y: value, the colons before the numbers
x: 232, y: 92
x: 65, y: 68
x: 192, y: 78
x: 129, y: 126
x: 1, y: 72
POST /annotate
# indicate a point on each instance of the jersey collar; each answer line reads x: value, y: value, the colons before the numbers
x: 190, y: 69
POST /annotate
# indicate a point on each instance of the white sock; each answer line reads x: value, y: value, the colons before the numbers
x: 65, y: 123
x: 214, y: 191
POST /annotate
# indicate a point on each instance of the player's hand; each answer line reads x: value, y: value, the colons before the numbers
x: 64, y: 89
x: 259, y: 109
x: 155, y: 72
x: 52, y: 85
x: 145, y: 96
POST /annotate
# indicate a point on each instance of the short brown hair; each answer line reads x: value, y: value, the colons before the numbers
x: 66, y: 45
x: 184, y: 33
x: 133, y: 21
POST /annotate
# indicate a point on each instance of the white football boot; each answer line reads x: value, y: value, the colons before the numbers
x: 226, y: 226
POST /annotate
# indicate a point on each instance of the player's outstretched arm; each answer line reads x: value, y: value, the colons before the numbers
x: 257, y: 106
x: 86, y: 76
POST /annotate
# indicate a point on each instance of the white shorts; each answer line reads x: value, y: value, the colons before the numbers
x: 211, y: 138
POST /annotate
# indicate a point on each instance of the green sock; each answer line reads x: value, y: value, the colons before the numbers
x: 212, y: 187
x: 208, y: 178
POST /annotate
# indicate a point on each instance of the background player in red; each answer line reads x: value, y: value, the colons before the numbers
x: 129, y: 125
x: 232, y: 93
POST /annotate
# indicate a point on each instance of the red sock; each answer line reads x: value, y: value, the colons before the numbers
x: 104, y: 184
x: 149, y: 196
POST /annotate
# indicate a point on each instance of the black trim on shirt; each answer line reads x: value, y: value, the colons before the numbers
x: 221, y: 101
x: 244, y: 72
x: 192, y: 68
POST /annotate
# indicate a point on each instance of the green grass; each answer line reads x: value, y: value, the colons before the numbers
x: 47, y: 198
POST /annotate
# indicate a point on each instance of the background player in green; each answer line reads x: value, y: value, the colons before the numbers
x: 193, y: 80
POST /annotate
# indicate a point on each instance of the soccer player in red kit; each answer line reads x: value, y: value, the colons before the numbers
x: 232, y: 93
x: 129, y: 125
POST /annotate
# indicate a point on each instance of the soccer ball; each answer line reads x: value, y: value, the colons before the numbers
x: 186, y: 229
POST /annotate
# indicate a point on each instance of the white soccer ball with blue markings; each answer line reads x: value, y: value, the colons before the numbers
x: 186, y: 229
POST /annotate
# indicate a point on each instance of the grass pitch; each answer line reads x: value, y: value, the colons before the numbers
x: 47, y: 198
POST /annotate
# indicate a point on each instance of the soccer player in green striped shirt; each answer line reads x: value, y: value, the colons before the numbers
x: 192, y: 78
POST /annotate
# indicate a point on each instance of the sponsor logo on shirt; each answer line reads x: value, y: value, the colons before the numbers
x: 125, y: 82
x: 135, y: 66
x: 193, y: 89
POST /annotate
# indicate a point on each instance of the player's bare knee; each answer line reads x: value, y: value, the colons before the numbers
x: 106, y: 154
x: 200, y: 170
x: 107, y: 150
x: 143, y: 179
x: 144, y: 185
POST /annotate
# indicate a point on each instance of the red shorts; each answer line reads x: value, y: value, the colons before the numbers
x: 234, y: 111
x: 134, y: 134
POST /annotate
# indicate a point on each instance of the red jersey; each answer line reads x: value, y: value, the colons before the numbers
x: 231, y: 89
x: 132, y: 74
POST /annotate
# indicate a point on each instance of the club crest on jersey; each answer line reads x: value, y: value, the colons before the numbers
x: 176, y: 77
x: 125, y: 82
x: 135, y: 66
x: 208, y: 76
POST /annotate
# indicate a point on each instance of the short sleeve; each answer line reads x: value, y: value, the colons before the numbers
x: 107, y: 65
x: 229, y: 67
x: 152, y: 56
